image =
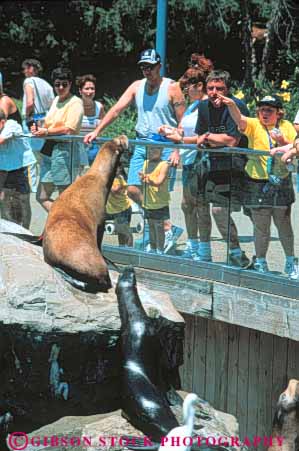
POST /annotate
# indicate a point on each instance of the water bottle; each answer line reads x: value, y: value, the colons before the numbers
x: 38, y: 119
x: 290, y: 166
x: 157, y: 137
x: 276, y: 131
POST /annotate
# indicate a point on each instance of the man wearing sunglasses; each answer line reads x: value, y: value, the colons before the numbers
x: 158, y: 101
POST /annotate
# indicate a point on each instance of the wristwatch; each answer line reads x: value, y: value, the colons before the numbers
x: 206, y: 142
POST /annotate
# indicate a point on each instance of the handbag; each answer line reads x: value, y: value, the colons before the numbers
x: 48, y: 147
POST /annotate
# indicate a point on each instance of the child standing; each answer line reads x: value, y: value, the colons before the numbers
x: 155, y: 197
x: 118, y: 208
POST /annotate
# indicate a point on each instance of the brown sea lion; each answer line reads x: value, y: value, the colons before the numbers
x: 74, y: 229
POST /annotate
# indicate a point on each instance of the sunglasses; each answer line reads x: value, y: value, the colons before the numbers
x: 147, y: 66
x: 64, y: 84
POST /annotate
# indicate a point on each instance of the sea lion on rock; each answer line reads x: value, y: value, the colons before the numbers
x: 144, y: 404
x: 74, y: 229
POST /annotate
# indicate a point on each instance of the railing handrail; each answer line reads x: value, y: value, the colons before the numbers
x: 162, y: 144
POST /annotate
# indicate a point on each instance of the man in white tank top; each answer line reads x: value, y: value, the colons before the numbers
x: 152, y: 86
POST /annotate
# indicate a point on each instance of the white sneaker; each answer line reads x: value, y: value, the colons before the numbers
x: 171, y: 237
x: 261, y: 267
x: 292, y: 269
x: 137, y: 208
x: 149, y: 250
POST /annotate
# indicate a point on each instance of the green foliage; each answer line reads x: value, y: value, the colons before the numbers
x: 125, y: 123
x: 287, y: 89
x: 19, y: 104
x: 61, y: 32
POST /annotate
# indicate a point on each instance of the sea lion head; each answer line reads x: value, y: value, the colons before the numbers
x: 127, y: 278
x: 288, y: 403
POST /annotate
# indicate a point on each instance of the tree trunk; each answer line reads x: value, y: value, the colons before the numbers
x: 268, y: 50
x: 247, y: 43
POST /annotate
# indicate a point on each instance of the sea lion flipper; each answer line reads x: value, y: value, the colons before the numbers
x: 37, y: 240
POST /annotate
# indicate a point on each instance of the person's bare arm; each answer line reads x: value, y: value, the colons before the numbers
x: 177, y: 100
x: 221, y: 139
x: 289, y: 155
x: 117, y: 188
x: 29, y: 92
x: 7, y: 105
x: 176, y: 135
x: 102, y: 113
x: 2, y: 140
x: 112, y: 114
x: 296, y: 126
x: 235, y: 113
x: 43, y: 131
x: 157, y: 181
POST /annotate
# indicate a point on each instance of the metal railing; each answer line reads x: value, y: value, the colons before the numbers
x: 175, y: 261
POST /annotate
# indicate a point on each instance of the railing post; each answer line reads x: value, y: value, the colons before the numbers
x: 161, y: 33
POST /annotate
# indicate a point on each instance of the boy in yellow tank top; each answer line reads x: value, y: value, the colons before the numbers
x: 118, y: 209
x: 155, y: 197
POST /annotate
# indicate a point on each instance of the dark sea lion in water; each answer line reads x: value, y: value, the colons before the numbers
x: 144, y: 404
x: 74, y: 229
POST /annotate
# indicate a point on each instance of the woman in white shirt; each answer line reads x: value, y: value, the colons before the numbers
x: 196, y: 210
x: 93, y: 113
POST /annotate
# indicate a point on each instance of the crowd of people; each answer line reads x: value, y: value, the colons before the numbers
x: 197, y: 109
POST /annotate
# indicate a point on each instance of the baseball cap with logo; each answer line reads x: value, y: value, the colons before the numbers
x: 273, y: 100
x: 149, y: 56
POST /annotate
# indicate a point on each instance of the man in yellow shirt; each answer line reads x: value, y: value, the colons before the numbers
x: 269, y: 188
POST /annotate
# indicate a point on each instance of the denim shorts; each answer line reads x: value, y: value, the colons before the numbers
x: 62, y: 167
x: 136, y: 165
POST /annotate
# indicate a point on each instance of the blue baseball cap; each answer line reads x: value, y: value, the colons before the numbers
x: 149, y: 56
x: 271, y: 100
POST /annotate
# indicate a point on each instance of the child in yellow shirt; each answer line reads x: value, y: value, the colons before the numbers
x: 155, y: 197
x: 118, y: 209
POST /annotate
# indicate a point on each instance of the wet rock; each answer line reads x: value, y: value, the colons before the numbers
x: 59, y: 351
x: 104, y: 432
